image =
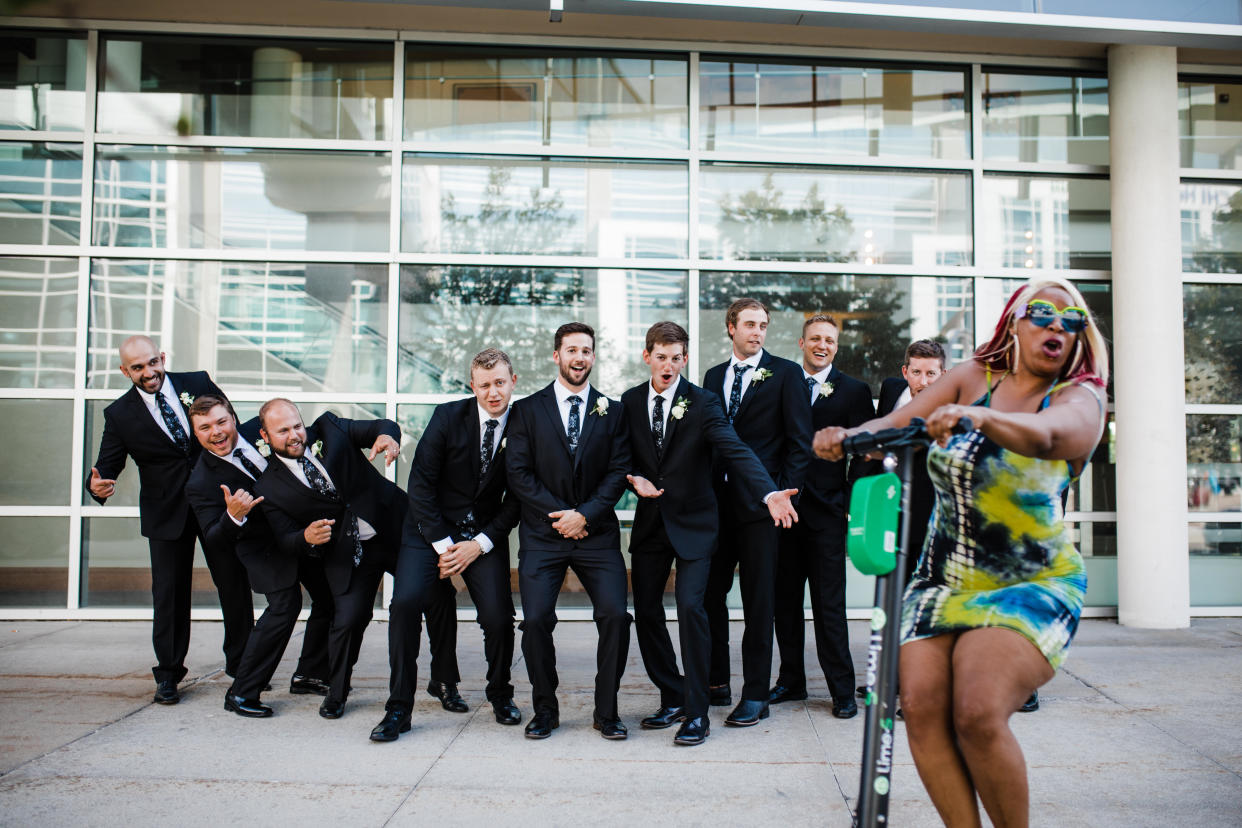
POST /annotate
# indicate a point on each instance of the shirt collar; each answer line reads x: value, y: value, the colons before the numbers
x: 667, y: 395
x: 484, y: 417
x: 752, y: 361
x: 166, y: 389
x: 821, y: 377
x: 563, y: 393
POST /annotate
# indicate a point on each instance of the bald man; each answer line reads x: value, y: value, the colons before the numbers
x: 149, y: 424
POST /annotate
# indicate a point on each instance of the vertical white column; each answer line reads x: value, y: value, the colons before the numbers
x: 1153, y: 563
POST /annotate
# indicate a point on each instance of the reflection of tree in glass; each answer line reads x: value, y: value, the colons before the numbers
x: 1221, y: 252
x: 1213, y: 368
x: 869, y: 308
x: 759, y: 226
x: 504, y: 222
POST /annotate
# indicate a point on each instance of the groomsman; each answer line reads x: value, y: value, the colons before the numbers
x: 766, y: 402
x: 815, y: 549
x: 323, y: 498
x: 149, y: 423
x: 568, y: 455
x: 458, y: 523
x: 221, y: 492
x: 676, y: 520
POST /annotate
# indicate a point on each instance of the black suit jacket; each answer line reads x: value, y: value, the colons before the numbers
x: 445, y: 489
x: 268, y: 567
x: 291, y: 505
x: 684, y: 469
x: 891, y: 390
x: 922, y: 493
x: 828, y: 481
x: 774, y: 420
x: 545, y: 478
x: 163, y: 469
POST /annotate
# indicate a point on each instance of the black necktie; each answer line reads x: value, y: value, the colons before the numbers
x: 735, y: 395
x: 247, y: 464
x: 322, y: 485
x: 174, y: 425
x: 575, y: 423
x: 810, y: 386
x: 657, y: 423
x: 489, y: 440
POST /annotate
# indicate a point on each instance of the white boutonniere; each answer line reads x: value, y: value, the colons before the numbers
x: 503, y: 441
x: 186, y: 399
x: 317, y: 448
x: 826, y: 389
x: 679, y: 408
x: 601, y: 406
x: 761, y: 375
x: 262, y: 447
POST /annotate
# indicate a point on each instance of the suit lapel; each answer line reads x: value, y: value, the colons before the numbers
x: 751, y: 389
x: 588, y: 422
x: 142, y: 414
x: 683, y: 390
x: 833, y: 378
x: 547, y: 401
x: 476, y: 439
x: 291, y: 481
x: 638, y: 414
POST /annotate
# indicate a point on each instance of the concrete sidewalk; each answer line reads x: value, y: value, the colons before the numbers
x: 1141, y: 729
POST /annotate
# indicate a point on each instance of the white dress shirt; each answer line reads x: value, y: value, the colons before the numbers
x: 365, y: 530
x: 820, y: 378
x: 905, y: 397
x: 485, y: 543
x: 668, y: 403
x: 753, y: 362
x: 252, y: 454
x: 563, y: 405
x: 169, y: 394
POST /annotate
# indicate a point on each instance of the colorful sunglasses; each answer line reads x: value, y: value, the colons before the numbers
x: 1041, y: 314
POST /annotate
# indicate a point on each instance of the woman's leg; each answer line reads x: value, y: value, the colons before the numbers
x: 994, y: 671
x: 927, y: 679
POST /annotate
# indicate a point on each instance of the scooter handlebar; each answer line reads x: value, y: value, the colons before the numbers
x: 866, y: 442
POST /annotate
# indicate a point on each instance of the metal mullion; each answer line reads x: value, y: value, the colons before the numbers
x: 1195, y: 174
x: 235, y: 254
x: 1062, y: 273
x: 1209, y: 69
x: 794, y: 159
x: 1211, y: 278
x: 1213, y: 517
x: 117, y: 512
x: 108, y: 25
x: 43, y: 136
x: 525, y: 150
x: 498, y: 260
x: 1091, y: 517
x: 129, y: 139
x: 37, y: 511
x: 693, y: 128
x: 1046, y: 169
x: 976, y: 190
x: 61, y: 251
x: 1226, y: 409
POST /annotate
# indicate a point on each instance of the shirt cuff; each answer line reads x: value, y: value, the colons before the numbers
x: 766, y: 496
x: 241, y: 522
x: 441, y: 546
x: 484, y: 542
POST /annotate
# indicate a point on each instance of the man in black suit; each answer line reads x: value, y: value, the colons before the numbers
x: 765, y: 400
x: 323, y: 497
x: 148, y: 423
x: 221, y: 492
x: 458, y: 523
x: 677, y: 520
x: 568, y: 455
x: 815, y: 549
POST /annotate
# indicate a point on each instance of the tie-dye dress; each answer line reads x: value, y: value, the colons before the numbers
x: 999, y: 553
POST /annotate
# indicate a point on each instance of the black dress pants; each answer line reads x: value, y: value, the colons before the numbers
x: 228, y: 573
x: 751, y: 548
x: 418, y: 590
x: 172, y: 572
x: 602, y: 573
x: 650, y: 565
x: 353, y: 607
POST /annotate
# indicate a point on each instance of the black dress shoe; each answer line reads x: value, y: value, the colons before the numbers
x: 332, y: 708
x: 610, y: 728
x: 166, y: 692
x: 781, y: 693
x: 449, y: 698
x: 664, y: 717
x: 748, y: 712
x: 542, y: 724
x: 844, y: 708
x: 506, y: 712
x: 251, y: 708
x: 301, y: 685
x: 395, y: 722
x: 719, y: 696
x: 861, y: 691
x: 1031, y: 704
x: 692, y: 732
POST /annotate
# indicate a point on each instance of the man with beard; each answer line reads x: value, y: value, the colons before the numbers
x: 149, y: 423
x: 568, y: 456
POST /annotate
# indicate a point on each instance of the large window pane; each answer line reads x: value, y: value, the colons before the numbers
x: 838, y: 110
x: 1213, y: 342
x: 35, y: 458
x: 1042, y: 222
x: 38, y: 322
x: 279, y: 327
x: 116, y: 567
x: 549, y: 206
x: 126, y: 493
x: 171, y: 85
x: 879, y: 316
x: 1045, y: 118
x: 182, y: 197
x: 34, y: 562
x: 545, y: 98
x: 40, y: 193
x: 1213, y: 462
x: 1211, y: 227
x: 42, y: 78
x: 1209, y: 119
x: 450, y: 313
x: 808, y: 214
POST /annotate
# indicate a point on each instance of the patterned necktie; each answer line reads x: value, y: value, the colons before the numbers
x: 247, y: 464
x: 489, y: 440
x: 575, y: 423
x: 657, y: 423
x: 322, y: 485
x: 174, y: 425
x: 735, y: 396
x: 810, y: 386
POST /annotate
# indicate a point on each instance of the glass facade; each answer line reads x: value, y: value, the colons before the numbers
x: 234, y: 199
